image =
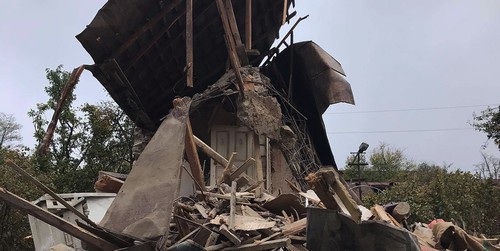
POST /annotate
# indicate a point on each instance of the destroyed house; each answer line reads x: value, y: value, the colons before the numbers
x: 212, y: 66
x: 139, y: 50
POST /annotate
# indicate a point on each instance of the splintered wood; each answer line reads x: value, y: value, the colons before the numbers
x: 238, y: 218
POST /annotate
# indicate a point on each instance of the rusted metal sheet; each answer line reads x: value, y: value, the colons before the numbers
x: 143, y: 206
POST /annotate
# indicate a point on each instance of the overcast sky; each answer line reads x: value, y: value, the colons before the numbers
x: 398, y: 55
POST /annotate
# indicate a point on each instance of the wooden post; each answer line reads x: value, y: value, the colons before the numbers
x: 226, y: 174
x: 324, y: 180
x: 232, y: 206
x: 257, y: 156
x: 66, y: 91
x: 240, y: 48
x: 193, y: 159
x: 231, y: 46
x: 55, y: 221
x: 285, y: 7
x: 44, y: 188
x: 248, y: 24
x: 189, y: 42
x: 241, y: 169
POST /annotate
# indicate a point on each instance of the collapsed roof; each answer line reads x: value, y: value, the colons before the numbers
x: 138, y: 49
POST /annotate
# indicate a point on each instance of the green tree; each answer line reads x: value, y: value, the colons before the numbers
x: 87, y: 139
x: 488, y: 121
x: 434, y: 192
x: 9, y: 130
x: 489, y: 168
x: 14, y: 225
x: 385, y: 163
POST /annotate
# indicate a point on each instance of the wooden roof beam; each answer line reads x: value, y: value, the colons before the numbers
x: 189, y: 43
x: 230, y: 45
x: 131, y: 40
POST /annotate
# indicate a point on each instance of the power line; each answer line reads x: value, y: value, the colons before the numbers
x: 415, y: 109
x: 402, y: 131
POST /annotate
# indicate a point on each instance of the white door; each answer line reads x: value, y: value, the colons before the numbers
x: 226, y: 140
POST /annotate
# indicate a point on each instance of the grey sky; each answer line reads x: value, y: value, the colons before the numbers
x: 397, y: 55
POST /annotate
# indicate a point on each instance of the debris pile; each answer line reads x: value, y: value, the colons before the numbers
x: 232, y: 219
x: 206, y: 164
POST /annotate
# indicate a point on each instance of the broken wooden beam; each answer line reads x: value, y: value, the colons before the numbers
x: 295, y: 227
x: 44, y: 188
x: 248, y: 24
x: 55, y: 221
x: 230, y: 235
x: 231, y: 45
x: 240, y: 48
x: 108, y: 184
x: 189, y: 43
x: 241, y: 169
x: 268, y: 245
x: 210, y: 152
x: 193, y: 159
x: 325, y: 182
x: 225, y: 177
x: 65, y: 93
x: 232, y: 206
x: 257, y: 156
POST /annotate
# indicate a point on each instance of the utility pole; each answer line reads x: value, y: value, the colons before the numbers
x: 357, y: 161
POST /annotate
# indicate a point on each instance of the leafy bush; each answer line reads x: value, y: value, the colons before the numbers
x: 458, y: 196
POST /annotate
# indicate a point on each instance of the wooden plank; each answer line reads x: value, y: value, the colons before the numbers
x: 212, y: 239
x: 379, y: 213
x: 232, y: 206
x: 285, y: 8
x: 193, y: 159
x: 66, y: 91
x: 248, y: 211
x: 255, y: 185
x: 108, y: 184
x: 241, y: 169
x: 258, y: 158
x: 225, y: 177
x: 268, y: 245
x: 202, y: 210
x: 245, y: 223
x: 44, y: 188
x: 230, y: 235
x: 211, y: 152
x: 240, y: 49
x: 55, y: 221
x: 189, y: 42
x: 248, y: 24
x: 294, y: 228
x: 327, y: 178
x: 231, y: 46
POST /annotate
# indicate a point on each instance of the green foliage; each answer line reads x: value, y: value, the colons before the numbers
x: 385, y: 163
x: 9, y: 130
x: 488, y: 121
x: 14, y: 225
x: 87, y: 139
x: 433, y: 192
